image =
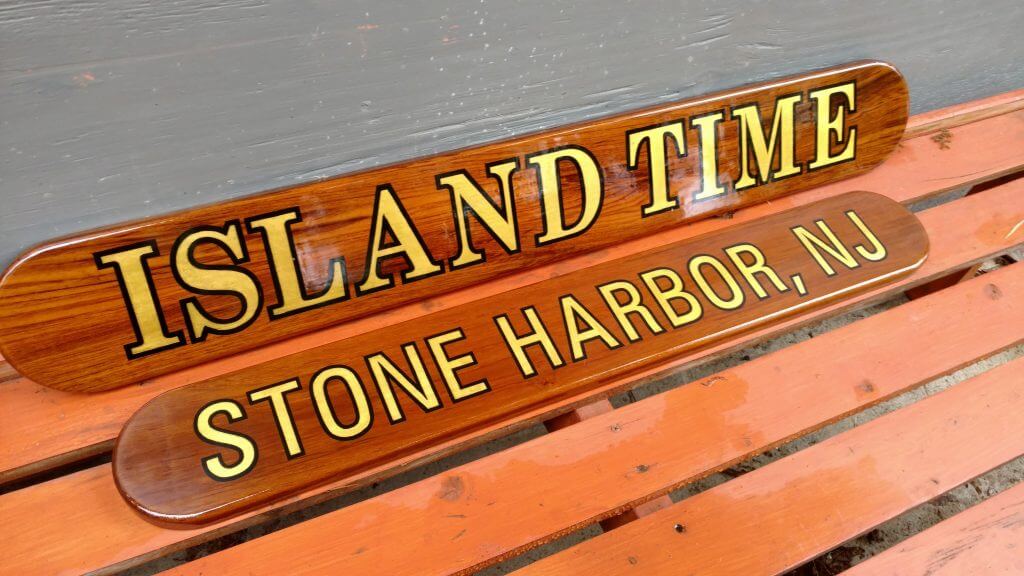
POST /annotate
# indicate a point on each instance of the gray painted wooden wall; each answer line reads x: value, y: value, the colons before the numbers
x: 118, y: 109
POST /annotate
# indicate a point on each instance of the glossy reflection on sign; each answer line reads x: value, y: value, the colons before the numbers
x: 121, y: 305
x: 202, y: 452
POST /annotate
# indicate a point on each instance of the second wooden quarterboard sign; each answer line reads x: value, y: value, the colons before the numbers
x: 131, y: 302
x: 196, y: 454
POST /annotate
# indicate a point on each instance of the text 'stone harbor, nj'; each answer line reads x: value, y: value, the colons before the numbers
x: 120, y: 305
x: 218, y: 447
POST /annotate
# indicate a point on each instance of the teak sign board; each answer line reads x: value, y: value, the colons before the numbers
x: 199, y: 453
x: 124, y: 304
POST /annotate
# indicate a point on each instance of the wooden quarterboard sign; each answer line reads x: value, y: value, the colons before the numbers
x: 127, y: 303
x: 212, y: 449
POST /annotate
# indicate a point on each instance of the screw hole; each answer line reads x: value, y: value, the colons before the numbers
x: 680, y: 528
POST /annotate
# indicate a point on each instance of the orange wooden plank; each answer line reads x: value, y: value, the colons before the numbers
x: 525, y: 495
x: 935, y: 120
x: 985, y: 539
x: 56, y: 427
x: 969, y: 272
x: 605, y: 461
x: 786, y: 513
x: 586, y: 412
x: 932, y: 167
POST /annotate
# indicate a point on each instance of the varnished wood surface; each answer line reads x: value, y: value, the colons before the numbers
x: 63, y: 321
x: 590, y: 470
x: 58, y: 426
x: 157, y: 457
x: 64, y: 511
x: 788, y: 512
x: 67, y: 508
x: 49, y: 420
x: 987, y: 539
x: 580, y: 475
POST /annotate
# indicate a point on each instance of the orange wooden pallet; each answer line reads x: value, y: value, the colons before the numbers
x: 63, y: 515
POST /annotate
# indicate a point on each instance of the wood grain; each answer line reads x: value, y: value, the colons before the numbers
x: 585, y: 412
x: 788, y: 512
x: 64, y: 323
x: 987, y: 538
x: 66, y: 510
x: 58, y: 426
x: 966, y: 112
x: 527, y: 495
x: 164, y: 469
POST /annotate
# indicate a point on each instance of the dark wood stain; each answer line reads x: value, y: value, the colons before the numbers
x: 63, y: 321
x: 157, y: 456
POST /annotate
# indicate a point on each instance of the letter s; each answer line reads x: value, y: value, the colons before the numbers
x: 214, y: 465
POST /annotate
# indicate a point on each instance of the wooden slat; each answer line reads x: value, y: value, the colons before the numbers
x: 558, y: 482
x: 586, y: 412
x: 786, y: 513
x: 970, y: 271
x: 985, y: 539
x: 943, y: 282
x: 645, y: 509
x: 581, y: 474
x: 57, y: 427
x: 578, y: 415
x: 973, y: 111
x: 924, y: 168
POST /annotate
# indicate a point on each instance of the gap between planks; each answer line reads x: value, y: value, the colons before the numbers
x: 123, y: 539
x: 57, y: 428
x: 637, y: 450
x: 585, y: 412
x: 987, y: 538
x: 779, y: 516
